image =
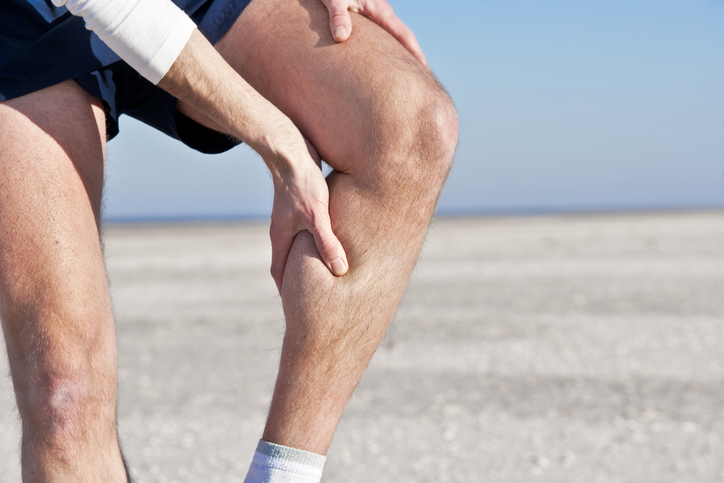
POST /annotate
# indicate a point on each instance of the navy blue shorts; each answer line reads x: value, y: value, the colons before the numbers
x: 42, y: 45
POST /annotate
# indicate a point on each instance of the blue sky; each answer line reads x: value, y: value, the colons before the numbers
x: 564, y: 106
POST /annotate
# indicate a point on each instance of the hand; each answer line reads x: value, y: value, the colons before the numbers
x: 301, y: 202
x: 219, y: 97
x: 380, y: 12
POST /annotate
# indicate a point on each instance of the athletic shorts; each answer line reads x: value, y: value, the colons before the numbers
x: 42, y: 45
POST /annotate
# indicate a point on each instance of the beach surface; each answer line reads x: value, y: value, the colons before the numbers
x: 578, y: 348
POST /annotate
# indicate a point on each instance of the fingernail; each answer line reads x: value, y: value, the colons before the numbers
x: 340, y: 32
x: 338, y: 267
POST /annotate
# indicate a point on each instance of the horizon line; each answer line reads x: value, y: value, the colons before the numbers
x: 441, y: 213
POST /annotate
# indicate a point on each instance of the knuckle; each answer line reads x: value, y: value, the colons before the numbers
x: 339, y: 15
x: 337, y: 8
x: 328, y: 245
x: 381, y: 9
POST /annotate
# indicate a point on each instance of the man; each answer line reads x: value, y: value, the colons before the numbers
x: 342, y: 248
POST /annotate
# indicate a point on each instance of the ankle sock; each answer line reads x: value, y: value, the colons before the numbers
x: 274, y: 463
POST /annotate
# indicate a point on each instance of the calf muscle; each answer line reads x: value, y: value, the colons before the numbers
x: 378, y: 117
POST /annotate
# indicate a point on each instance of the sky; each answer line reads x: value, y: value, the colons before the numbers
x: 564, y: 106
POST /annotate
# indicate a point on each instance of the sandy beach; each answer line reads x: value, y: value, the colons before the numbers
x: 580, y: 348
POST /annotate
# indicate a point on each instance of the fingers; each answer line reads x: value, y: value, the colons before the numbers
x: 328, y: 245
x: 339, y: 21
x: 385, y: 17
x: 380, y: 12
x: 320, y: 226
x: 288, y: 222
x: 281, y: 244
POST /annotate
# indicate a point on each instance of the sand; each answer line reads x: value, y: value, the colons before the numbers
x: 552, y: 349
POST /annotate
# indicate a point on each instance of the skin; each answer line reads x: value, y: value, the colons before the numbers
x: 390, y: 145
x: 380, y: 12
x: 383, y: 192
x: 59, y: 336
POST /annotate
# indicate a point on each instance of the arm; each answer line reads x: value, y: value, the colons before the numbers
x: 203, y: 79
x: 158, y: 40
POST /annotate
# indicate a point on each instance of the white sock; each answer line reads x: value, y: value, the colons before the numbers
x: 274, y: 463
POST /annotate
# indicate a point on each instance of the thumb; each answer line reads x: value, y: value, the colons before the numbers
x: 339, y: 22
x: 329, y: 246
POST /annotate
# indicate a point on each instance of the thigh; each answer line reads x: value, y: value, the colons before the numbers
x: 341, y: 96
x: 51, y: 177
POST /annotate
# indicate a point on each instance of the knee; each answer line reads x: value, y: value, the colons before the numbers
x: 68, y: 397
x: 418, y: 133
x: 63, y: 370
x: 56, y: 407
x: 439, y: 138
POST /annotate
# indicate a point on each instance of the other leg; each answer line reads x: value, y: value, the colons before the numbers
x: 54, y: 302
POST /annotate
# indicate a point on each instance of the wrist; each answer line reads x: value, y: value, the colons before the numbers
x: 283, y: 150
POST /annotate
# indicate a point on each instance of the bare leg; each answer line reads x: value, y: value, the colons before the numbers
x: 54, y: 301
x: 380, y: 120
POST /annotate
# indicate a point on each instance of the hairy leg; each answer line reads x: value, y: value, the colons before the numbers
x: 379, y: 118
x: 54, y: 302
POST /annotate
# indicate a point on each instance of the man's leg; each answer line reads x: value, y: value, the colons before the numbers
x: 378, y: 117
x: 54, y: 302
